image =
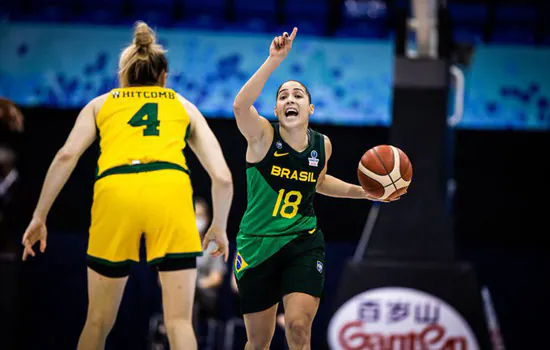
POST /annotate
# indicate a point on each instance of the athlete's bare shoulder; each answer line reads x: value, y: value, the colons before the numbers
x: 185, y: 102
x: 97, y: 103
x: 100, y: 99
x: 328, y: 146
x: 188, y: 105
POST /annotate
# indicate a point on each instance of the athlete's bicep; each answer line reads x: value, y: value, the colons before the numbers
x: 205, y: 145
x: 251, y: 124
x: 84, y: 131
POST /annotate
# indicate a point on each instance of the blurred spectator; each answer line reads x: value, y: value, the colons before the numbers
x: 8, y: 180
x: 11, y: 118
x: 11, y: 125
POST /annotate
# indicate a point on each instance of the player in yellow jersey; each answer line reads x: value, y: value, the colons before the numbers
x: 142, y: 188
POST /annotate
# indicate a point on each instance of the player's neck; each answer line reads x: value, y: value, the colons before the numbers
x: 296, y: 138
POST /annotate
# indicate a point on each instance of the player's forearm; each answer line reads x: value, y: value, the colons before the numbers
x: 61, y: 168
x: 334, y: 187
x: 222, y: 196
x: 253, y: 87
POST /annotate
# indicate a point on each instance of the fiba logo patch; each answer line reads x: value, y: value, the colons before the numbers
x: 319, y: 266
x: 239, y: 263
x: 313, y: 160
x: 279, y: 144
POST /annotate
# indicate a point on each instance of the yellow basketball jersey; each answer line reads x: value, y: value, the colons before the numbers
x: 140, y: 126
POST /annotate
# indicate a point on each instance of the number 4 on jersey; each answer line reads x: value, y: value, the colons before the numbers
x: 147, y: 116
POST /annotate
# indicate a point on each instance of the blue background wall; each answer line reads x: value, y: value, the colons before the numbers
x: 507, y: 87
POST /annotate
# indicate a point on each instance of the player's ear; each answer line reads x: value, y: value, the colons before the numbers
x: 275, y: 111
x: 163, y: 77
x: 311, y: 109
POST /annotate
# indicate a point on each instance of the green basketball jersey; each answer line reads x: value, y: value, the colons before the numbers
x: 281, y: 188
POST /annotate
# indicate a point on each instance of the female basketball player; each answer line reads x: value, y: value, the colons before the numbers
x: 142, y: 187
x: 280, y: 249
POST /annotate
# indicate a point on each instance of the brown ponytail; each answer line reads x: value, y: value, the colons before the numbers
x: 143, y: 61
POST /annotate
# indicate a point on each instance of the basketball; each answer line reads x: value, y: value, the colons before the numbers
x: 385, y: 172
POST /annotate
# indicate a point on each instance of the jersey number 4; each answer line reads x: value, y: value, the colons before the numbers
x: 289, y: 209
x: 147, y: 116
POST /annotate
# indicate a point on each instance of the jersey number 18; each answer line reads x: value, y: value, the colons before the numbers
x: 289, y: 209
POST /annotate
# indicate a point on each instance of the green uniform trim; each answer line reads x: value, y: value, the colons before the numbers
x: 111, y: 263
x: 187, y: 133
x: 174, y: 256
x: 140, y: 168
x: 99, y: 151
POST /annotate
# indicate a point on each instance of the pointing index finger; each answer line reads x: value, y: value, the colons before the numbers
x: 293, y: 34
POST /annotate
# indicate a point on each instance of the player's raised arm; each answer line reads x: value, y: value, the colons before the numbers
x: 250, y: 123
x: 206, y: 147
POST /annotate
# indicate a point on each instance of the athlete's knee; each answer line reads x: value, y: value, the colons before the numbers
x: 257, y: 344
x: 299, y: 330
x: 101, y: 321
x: 259, y: 340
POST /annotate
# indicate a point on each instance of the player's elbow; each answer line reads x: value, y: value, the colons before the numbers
x: 66, y: 154
x: 320, y: 188
x: 237, y: 107
x: 223, y: 179
x: 240, y: 107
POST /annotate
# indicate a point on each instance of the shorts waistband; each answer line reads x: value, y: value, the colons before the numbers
x: 140, y: 168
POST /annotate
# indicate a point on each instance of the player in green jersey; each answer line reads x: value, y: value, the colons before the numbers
x: 280, y: 250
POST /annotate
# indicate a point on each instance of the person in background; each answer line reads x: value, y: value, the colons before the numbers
x: 11, y: 127
x: 11, y: 118
x: 11, y: 130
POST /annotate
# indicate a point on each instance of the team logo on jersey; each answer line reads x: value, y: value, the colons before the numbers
x: 279, y: 144
x: 116, y: 94
x: 240, y: 264
x: 313, y: 160
x: 319, y: 266
x: 277, y: 154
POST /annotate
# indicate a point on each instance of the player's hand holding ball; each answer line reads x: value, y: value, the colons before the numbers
x: 385, y: 173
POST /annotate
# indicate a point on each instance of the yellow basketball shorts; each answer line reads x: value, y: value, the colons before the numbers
x: 155, y: 204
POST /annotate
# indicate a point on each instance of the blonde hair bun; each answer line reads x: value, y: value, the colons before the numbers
x: 143, y: 61
x: 144, y: 36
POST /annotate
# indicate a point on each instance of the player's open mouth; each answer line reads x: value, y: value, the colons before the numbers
x: 291, y: 112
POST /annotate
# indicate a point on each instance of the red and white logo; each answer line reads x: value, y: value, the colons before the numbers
x: 396, y: 318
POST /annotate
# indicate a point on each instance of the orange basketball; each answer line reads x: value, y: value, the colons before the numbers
x: 385, y: 172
